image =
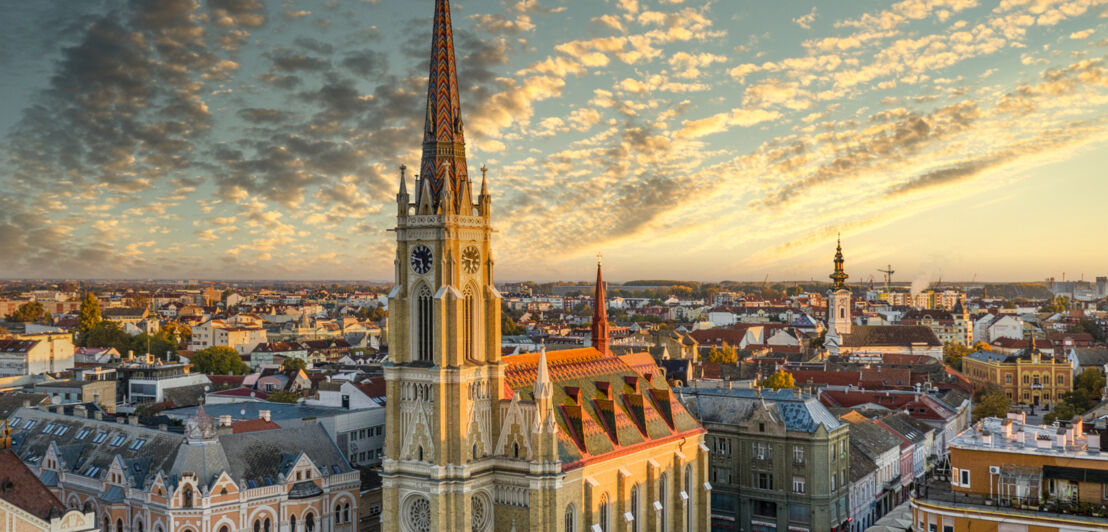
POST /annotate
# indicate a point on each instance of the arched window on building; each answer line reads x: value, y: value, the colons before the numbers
x: 425, y: 325
x: 571, y: 518
x: 663, y: 499
x: 257, y: 525
x: 118, y: 525
x: 107, y: 524
x: 139, y: 527
x: 346, y: 513
x: 292, y: 523
x: 469, y: 320
x: 224, y: 529
x: 636, y: 522
x: 689, y: 493
x: 266, y: 525
x: 604, y: 514
x: 309, y: 522
x: 338, y: 514
x: 187, y: 497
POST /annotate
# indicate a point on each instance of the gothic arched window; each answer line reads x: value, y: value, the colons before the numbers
x: 338, y: 513
x: 187, y: 497
x: 309, y: 522
x: 663, y: 499
x: 571, y: 518
x: 225, y: 529
x: 689, y: 493
x: 292, y: 524
x: 266, y: 525
x: 425, y: 321
x: 346, y: 513
x: 604, y: 516
x: 118, y: 525
x: 636, y: 525
x: 469, y: 323
x: 257, y: 525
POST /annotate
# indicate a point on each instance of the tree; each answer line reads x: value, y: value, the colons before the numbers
x: 219, y: 360
x: 1088, y: 388
x: 509, y: 327
x: 158, y: 344
x: 137, y: 300
x: 294, y: 364
x: 178, y: 332
x: 89, y: 317
x: 1089, y: 326
x: 108, y: 334
x: 282, y: 396
x: 990, y: 401
x: 953, y: 353
x: 780, y: 379
x: 725, y: 355
x: 28, y: 312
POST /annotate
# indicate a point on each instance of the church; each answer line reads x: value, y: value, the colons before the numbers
x: 568, y: 441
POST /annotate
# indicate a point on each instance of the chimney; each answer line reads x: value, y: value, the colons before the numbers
x: 98, y: 416
x: 263, y: 414
x: 163, y: 427
x: 132, y: 420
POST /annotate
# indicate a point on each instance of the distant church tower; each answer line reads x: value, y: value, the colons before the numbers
x: 444, y: 374
x: 838, y: 298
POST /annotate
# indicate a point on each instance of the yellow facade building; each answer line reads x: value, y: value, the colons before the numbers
x: 1007, y: 476
x: 573, y: 441
x: 1028, y: 377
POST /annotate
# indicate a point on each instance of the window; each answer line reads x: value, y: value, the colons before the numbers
x: 663, y: 494
x: 424, y: 325
x: 688, y: 493
x: 765, y: 509
x: 762, y: 451
x: 1061, y: 380
x: 799, y: 513
x: 292, y: 524
x: 257, y: 525
x: 763, y: 481
x: 571, y: 518
x: 30, y: 423
x: 964, y: 477
x: 1026, y: 379
x: 187, y: 497
x: 1008, y: 379
x: 118, y: 440
x: 798, y: 485
x: 309, y: 522
x: 338, y: 514
x: 635, y: 525
x: 13, y: 422
x: 49, y: 428
x: 602, y: 512
x: 798, y: 454
x: 346, y: 513
x: 469, y: 321
x: 100, y: 437
x: 761, y: 427
x: 61, y: 430
x: 832, y: 482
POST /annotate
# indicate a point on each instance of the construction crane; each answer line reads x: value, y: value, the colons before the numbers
x: 888, y: 277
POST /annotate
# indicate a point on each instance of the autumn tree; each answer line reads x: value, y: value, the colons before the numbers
x: 219, y: 360
x: 282, y: 396
x: 108, y: 334
x: 1088, y: 389
x: 726, y: 354
x: 89, y: 316
x: 294, y: 364
x: 780, y: 379
x: 953, y: 353
x: 990, y: 401
x: 28, y: 312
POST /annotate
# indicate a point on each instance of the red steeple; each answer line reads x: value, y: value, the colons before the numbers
x: 600, y: 314
x: 444, y: 158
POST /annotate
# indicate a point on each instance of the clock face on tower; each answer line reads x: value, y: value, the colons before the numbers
x: 471, y: 259
x: 421, y: 259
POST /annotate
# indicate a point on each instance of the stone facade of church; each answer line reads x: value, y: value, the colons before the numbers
x: 570, y: 440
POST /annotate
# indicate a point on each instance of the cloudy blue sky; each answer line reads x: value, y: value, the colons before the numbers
x: 683, y: 138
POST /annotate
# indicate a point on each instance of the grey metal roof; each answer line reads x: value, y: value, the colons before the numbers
x: 260, y: 457
x: 250, y: 410
x: 803, y: 413
x: 988, y: 356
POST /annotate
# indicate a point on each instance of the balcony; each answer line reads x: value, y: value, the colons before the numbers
x: 939, y: 491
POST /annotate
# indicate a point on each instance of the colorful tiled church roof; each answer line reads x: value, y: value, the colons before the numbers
x: 605, y: 405
x: 443, y: 166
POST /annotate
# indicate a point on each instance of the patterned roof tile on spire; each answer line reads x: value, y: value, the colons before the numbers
x: 443, y: 138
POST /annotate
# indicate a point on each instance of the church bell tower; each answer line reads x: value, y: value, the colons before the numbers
x: 444, y: 375
x: 838, y: 298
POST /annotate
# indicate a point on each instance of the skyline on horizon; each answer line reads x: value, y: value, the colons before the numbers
x: 240, y: 139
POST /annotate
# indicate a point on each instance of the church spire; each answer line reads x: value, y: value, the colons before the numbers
x: 840, y: 276
x: 600, y: 313
x: 443, y: 140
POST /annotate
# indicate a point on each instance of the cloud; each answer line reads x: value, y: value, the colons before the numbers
x: 805, y: 21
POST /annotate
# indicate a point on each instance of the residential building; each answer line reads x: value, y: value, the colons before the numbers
x: 273, y: 353
x: 954, y: 325
x: 147, y: 381
x: 207, y: 479
x: 35, y: 354
x: 577, y: 439
x: 1028, y: 378
x: 1007, y: 475
x: 863, y: 491
x: 101, y: 392
x: 778, y: 460
x: 241, y: 334
x: 882, y: 448
x: 990, y: 327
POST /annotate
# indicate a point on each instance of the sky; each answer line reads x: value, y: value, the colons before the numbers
x: 683, y: 139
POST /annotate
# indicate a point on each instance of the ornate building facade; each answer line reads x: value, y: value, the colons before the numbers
x: 139, y: 479
x: 572, y: 440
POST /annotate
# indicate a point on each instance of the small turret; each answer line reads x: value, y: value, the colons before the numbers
x: 402, y: 200
x: 484, y: 201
